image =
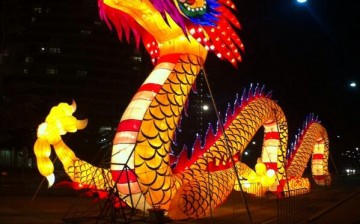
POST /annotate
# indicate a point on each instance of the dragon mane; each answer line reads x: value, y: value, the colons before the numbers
x: 214, y: 30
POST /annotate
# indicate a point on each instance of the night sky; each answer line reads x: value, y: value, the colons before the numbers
x: 306, y: 55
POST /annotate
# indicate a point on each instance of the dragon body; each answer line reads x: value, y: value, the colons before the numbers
x: 178, y: 35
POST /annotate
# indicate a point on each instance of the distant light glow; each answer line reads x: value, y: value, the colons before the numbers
x: 270, y: 172
x: 246, y: 184
x: 353, y: 84
x: 205, y: 107
x: 246, y: 153
x: 350, y: 171
x: 301, y: 1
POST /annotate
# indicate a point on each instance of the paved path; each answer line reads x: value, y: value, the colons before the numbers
x: 346, y: 211
x: 52, y: 209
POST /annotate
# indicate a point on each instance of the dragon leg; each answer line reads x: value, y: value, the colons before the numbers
x: 57, y: 123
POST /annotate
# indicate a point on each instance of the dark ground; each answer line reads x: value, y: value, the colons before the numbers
x: 338, y: 203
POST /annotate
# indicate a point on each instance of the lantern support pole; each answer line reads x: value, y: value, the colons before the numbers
x: 108, y: 211
x: 280, y: 145
x: 227, y: 143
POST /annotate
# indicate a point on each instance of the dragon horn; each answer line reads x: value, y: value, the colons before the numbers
x: 73, y: 106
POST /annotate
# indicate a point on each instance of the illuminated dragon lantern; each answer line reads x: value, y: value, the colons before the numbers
x: 178, y: 34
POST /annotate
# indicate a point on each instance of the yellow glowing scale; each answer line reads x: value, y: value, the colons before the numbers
x: 178, y: 34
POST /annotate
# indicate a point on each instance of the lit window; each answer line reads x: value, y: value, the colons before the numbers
x: 98, y: 23
x: 136, y: 58
x: 38, y: 10
x: 30, y: 162
x: 85, y: 32
x: 55, y: 50
x: 81, y: 73
x: 5, y: 159
x: 51, y: 71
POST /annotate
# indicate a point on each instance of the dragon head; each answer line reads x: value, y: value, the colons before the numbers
x: 177, y: 26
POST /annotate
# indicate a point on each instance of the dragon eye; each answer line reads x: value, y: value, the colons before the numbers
x: 192, y: 8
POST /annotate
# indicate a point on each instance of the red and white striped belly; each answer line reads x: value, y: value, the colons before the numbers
x: 122, y: 160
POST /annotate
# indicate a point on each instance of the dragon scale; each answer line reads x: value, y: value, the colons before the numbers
x: 152, y: 162
x: 314, y: 145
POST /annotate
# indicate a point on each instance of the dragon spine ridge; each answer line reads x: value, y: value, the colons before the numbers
x: 310, y: 119
x: 212, y: 134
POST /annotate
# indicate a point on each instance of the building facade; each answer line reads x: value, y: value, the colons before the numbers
x: 59, y: 51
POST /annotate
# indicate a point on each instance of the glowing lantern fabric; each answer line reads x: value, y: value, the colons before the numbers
x: 296, y: 186
x: 57, y: 123
x: 312, y: 143
x: 178, y: 39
